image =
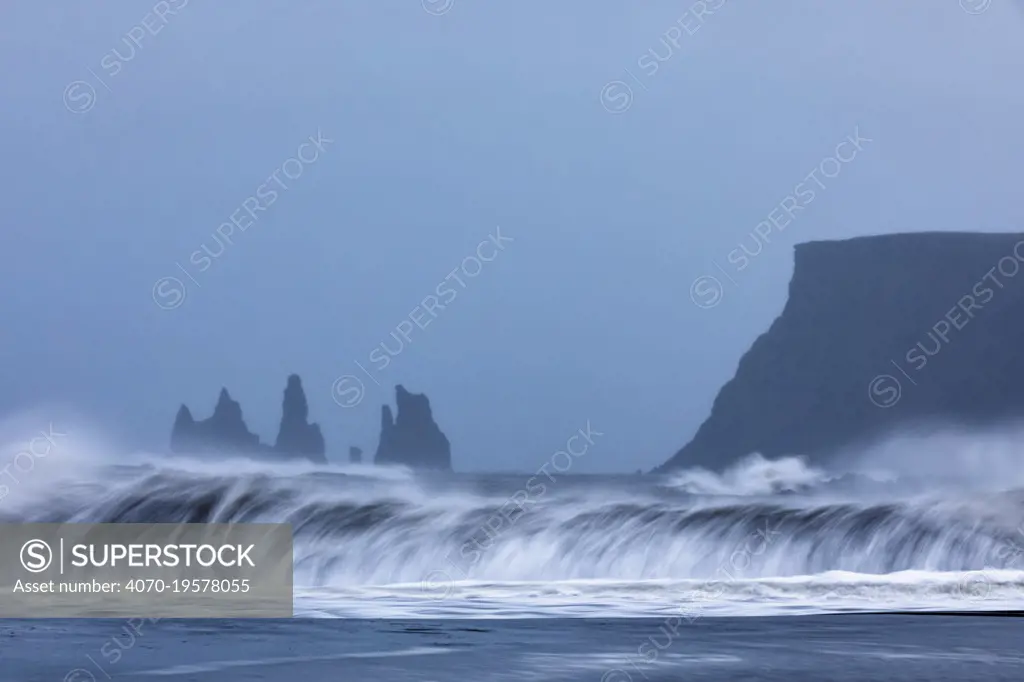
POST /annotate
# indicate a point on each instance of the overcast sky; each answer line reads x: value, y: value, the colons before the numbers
x: 132, y: 130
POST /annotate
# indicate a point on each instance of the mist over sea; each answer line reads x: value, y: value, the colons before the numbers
x: 891, y: 567
x: 763, y: 538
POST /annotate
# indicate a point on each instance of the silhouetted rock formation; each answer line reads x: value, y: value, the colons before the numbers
x: 296, y: 436
x: 412, y: 439
x: 879, y: 334
x: 355, y: 455
x: 184, y: 429
x: 225, y: 431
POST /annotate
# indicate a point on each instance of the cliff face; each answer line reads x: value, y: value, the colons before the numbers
x: 412, y: 438
x: 878, y: 334
x: 296, y: 436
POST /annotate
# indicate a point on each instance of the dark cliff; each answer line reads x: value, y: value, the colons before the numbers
x: 411, y: 437
x: 297, y: 437
x: 879, y: 334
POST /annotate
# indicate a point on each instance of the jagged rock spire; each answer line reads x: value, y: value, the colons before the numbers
x: 296, y: 436
x: 411, y: 437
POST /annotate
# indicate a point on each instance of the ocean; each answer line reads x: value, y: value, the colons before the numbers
x: 773, y: 570
x: 837, y: 648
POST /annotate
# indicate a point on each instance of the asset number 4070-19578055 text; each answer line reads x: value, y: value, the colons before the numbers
x: 194, y: 585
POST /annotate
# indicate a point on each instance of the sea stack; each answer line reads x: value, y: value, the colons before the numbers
x: 411, y: 437
x: 225, y: 431
x: 355, y: 455
x: 183, y: 431
x: 884, y: 334
x: 297, y: 437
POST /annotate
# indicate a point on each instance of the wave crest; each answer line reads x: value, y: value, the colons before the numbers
x: 754, y: 475
x: 353, y: 530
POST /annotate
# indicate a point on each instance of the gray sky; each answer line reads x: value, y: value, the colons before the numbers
x: 449, y: 120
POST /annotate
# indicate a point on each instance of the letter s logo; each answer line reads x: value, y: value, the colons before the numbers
x: 36, y: 556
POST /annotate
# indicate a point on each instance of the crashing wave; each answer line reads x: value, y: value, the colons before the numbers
x: 355, y: 530
x: 754, y: 475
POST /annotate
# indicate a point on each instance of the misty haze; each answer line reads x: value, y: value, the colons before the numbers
x: 552, y: 342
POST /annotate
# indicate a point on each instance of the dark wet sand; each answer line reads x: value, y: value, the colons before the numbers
x: 970, y: 614
x: 866, y: 648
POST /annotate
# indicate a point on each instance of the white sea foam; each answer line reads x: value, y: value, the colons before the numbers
x: 689, y: 600
x: 754, y: 475
x: 372, y: 541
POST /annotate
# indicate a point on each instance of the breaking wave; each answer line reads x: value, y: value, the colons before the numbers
x: 377, y: 541
x: 754, y: 475
x: 353, y: 529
